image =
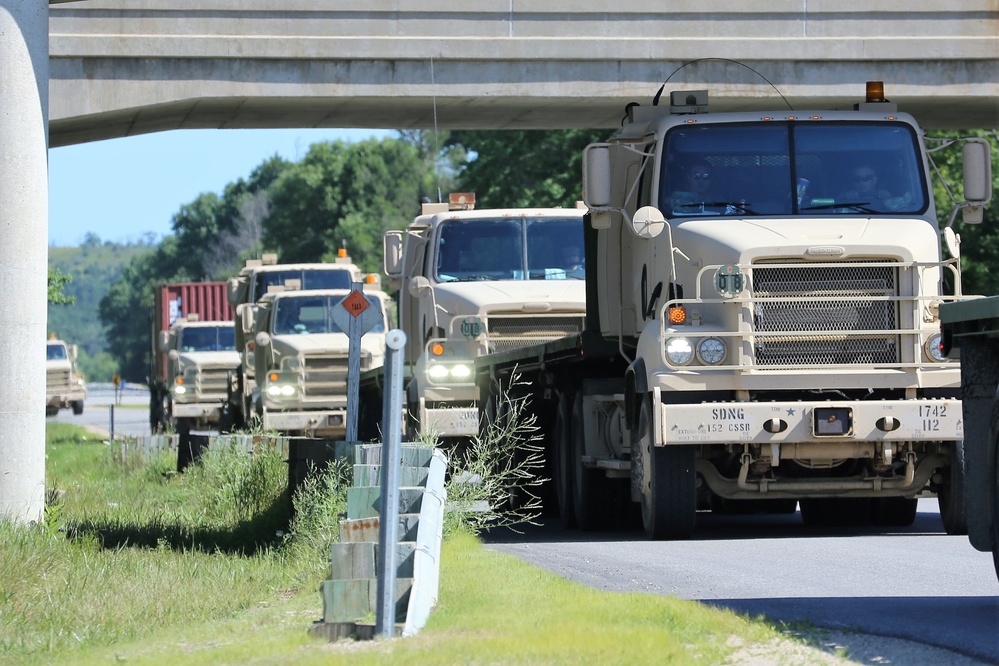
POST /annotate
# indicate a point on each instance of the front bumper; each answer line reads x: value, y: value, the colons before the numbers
x: 321, y: 423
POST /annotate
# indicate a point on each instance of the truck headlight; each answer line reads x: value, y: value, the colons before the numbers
x: 459, y: 373
x: 933, y: 349
x: 679, y: 351
x: 711, y: 351
x: 281, y: 390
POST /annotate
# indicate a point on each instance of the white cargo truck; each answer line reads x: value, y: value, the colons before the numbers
x: 763, y: 331
x: 302, y: 356
x: 472, y: 282
x: 65, y: 387
x: 254, y: 281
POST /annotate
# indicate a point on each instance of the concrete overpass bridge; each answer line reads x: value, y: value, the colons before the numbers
x: 124, y: 67
x: 86, y: 70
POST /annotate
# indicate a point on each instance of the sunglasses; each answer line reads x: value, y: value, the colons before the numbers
x: 700, y: 175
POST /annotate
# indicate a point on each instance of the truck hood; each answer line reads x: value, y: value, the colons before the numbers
x: 529, y: 296
x: 744, y: 240
x: 218, y: 359
x: 326, y: 343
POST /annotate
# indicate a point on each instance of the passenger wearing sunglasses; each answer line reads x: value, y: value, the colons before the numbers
x: 865, y: 190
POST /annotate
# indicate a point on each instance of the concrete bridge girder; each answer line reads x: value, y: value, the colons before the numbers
x: 120, y: 68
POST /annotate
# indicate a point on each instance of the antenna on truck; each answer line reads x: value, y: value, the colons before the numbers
x: 655, y: 100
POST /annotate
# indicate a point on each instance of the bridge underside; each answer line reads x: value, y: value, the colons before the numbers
x: 273, y: 94
x: 120, y: 67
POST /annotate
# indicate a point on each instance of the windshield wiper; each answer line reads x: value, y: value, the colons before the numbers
x: 861, y: 206
x: 691, y: 207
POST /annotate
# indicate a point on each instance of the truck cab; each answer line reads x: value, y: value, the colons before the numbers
x: 255, y: 280
x: 65, y: 387
x: 473, y: 282
x: 301, y: 358
x: 199, y: 357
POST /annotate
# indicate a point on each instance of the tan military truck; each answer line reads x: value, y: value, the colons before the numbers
x: 65, y: 387
x: 254, y: 281
x: 473, y: 282
x: 301, y: 358
x: 763, y: 331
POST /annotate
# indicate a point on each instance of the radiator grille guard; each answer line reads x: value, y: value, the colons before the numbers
x: 826, y: 308
x: 326, y: 376
x: 820, y: 315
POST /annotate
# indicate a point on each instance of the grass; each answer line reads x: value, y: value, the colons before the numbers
x: 136, y: 563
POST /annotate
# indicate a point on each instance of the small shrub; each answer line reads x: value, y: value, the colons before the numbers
x: 494, y: 481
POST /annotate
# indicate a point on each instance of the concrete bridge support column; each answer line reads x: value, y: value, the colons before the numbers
x: 24, y: 217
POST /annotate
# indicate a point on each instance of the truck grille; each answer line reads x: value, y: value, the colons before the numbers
x: 57, y: 380
x: 214, y: 382
x: 512, y: 331
x: 822, y: 309
x: 326, y: 376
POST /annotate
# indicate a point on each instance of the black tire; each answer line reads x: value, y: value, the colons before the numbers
x: 185, y: 452
x: 666, y: 483
x: 563, y: 461
x: 951, y: 495
x: 895, y: 511
x: 589, y: 500
x: 992, y: 486
x: 77, y: 407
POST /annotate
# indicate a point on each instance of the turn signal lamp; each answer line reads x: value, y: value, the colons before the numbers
x: 437, y: 349
x: 273, y: 376
x: 371, y: 278
x: 677, y: 314
x: 180, y: 380
x: 250, y: 345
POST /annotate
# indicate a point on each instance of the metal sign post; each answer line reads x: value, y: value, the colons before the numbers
x: 355, y: 316
x: 388, y: 519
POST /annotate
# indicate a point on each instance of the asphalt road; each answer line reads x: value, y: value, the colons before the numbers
x: 130, y: 415
x: 914, y: 583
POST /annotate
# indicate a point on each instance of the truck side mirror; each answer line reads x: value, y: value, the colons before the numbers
x: 977, y: 179
x: 392, y: 247
x: 648, y: 222
x: 163, y: 341
x: 73, y: 350
x: 597, y: 175
x: 232, y: 286
x: 244, y: 313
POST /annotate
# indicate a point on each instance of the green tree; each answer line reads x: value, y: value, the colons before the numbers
x: 57, y: 282
x: 516, y: 168
x: 345, y: 195
x: 979, y: 242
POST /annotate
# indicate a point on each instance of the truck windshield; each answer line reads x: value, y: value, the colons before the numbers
x: 303, y: 315
x: 511, y: 248
x: 310, y: 278
x: 809, y: 168
x: 208, y: 338
x: 56, y: 353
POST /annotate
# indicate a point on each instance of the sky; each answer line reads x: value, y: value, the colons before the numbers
x: 123, y: 189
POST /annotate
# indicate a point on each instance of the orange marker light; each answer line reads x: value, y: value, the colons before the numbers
x: 273, y: 376
x: 437, y: 349
x: 677, y: 315
x: 342, y: 252
x: 875, y: 91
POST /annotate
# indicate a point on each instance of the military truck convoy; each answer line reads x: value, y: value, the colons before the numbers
x: 762, y: 329
x: 473, y: 282
x: 65, y: 387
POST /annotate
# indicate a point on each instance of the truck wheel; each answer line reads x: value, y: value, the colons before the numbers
x: 589, y: 496
x: 995, y: 504
x: 77, y: 407
x: 950, y: 495
x: 50, y: 410
x: 563, y: 461
x: 665, y: 481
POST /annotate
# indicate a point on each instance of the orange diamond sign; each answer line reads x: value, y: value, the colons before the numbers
x: 355, y: 303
